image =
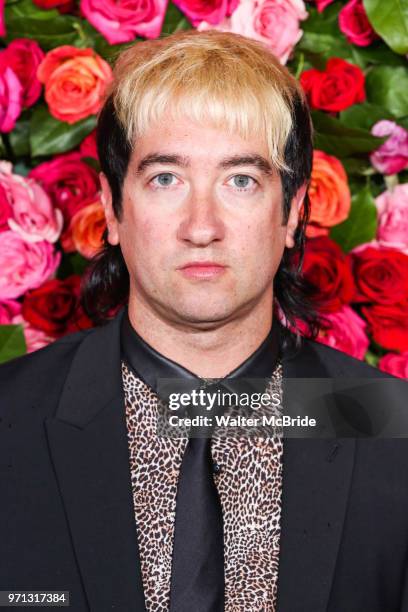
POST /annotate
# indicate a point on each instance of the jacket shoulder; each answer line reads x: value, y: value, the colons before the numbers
x: 336, y: 362
x: 37, y: 376
x: 47, y: 356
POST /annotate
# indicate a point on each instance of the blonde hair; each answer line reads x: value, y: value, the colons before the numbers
x: 219, y: 78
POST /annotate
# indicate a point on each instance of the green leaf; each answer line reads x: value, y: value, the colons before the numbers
x: 12, y: 342
x: 359, y: 166
x: 361, y: 224
x: 387, y: 86
x: 358, y: 183
x: 320, y: 47
x: 49, y: 136
x: 376, y: 53
x: 94, y: 163
x: 19, y: 138
x: 110, y: 52
x: 321, y: 37
x: 174, y: 20
x: 72, y: 263
x: 364, y: 115
x: 90, y: 37
x: 325, y: 22
x: 48, y: 28
x: 390, y: 20
x: 372, y: 359
x: 403, y: 121
x: 3, y: 152
x: 335, y: 138
x: 21, y: 168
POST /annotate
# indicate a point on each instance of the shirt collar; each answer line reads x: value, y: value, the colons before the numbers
x: 150, y: 365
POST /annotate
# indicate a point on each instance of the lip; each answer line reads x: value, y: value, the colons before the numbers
x: 202, y: 269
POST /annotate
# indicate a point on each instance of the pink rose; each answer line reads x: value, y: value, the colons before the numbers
x: 32, y: 213
x: 299, y: 327
x: 354, y: 24
x: 24, y: 265
x: 8, y: 310
x: 273, y: 22
x: 211, y: 12
x: 392, y: 156
x: 24, y: 56
x: 34, y: 338
x: 10, y: 99
x: 346, y: 332
x: 395, y: 364
x: 122, y: 20
x: 392, y: 208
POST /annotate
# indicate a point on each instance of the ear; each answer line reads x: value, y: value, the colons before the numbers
x: 111, y: 221
x: 293, y: 218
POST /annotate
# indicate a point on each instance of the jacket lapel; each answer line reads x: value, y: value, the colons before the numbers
x: 89, y: 450
x: 316, y: 480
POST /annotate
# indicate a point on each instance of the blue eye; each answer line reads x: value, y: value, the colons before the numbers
x: 167, y: 176
x: 242, y: 182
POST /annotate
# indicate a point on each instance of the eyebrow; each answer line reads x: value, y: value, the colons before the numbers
x: 258, y: 161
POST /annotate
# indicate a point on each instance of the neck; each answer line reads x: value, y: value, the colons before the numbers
x: 209, y: 353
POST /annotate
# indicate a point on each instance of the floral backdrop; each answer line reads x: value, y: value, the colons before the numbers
x: 351, y: 60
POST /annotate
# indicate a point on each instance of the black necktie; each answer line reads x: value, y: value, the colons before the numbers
x: 197, y: 579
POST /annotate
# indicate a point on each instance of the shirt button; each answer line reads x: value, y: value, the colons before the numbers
x: 216, y: 468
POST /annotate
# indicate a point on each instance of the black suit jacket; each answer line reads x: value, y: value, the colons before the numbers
x: 66, y: 507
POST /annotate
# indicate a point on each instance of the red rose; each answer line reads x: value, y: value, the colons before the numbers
x: 88, y: 146
x: 24, y: 56
x: 5, y: 210
x: 329, y: 270
x: 339, y: 86
x: 63, y: 6
x: 54, y: 307
x: 395, y: 364
x: 354, y: 24
x: 70, y: 182
x: 321, y: 4
x: 381, y: 275
x: 2, y: 19
x: 388, y: 325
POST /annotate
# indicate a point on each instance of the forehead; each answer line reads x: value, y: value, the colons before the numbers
x: 183, y: 142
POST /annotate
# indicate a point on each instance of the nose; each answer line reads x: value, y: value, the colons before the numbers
x: 201, y: 224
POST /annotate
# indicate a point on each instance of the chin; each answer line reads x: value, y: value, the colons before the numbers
x: 200, y: 315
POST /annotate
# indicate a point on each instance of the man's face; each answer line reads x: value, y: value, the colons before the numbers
x: 192, y: 194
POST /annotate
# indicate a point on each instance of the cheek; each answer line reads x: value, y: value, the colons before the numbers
x: 147, y: 233
x: 263, y: 241
x: 143, y: 240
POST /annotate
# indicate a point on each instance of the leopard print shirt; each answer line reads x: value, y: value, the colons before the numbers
x: 249, y: 485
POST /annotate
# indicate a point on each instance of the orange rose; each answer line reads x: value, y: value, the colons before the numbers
x: 75, y: 82
x: 329, y: 194
x: 85, y: 230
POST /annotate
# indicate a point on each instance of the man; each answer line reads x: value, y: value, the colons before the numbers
x: 205, y: 147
